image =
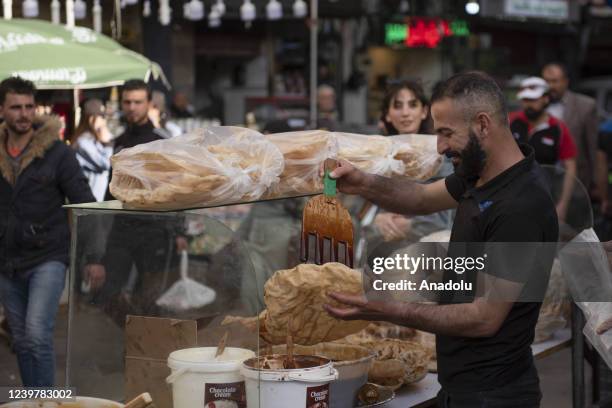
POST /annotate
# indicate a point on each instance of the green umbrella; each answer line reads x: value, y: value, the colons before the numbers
x: 57, y: 57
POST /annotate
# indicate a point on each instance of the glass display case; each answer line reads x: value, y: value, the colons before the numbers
x: 138, y: 262
x: 132, y: 263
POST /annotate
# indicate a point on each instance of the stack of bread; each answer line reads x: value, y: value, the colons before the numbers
x: 215, y: 166
x: 303, y: 152
x: 419, y: 153
x: 223, y: 165
x: 372, y: 154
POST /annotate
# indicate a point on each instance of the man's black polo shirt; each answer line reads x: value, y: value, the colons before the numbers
x: 515, y: 206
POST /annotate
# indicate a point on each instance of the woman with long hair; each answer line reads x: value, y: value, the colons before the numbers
x: 405, y: 109
x: 92, y: 142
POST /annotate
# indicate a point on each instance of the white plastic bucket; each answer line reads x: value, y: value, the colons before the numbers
x: 200, y: 380
x: 282, y: 388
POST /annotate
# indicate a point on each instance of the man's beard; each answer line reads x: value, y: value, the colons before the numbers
x: 554, y: 97
x: 19, y: 130
x: 533, y: 114
x: 473, y: 159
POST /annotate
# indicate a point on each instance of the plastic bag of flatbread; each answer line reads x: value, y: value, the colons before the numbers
x: 370, y: 153
x: 303, y: 154
x: 554, y: 307
x: 586, y: 269
x: 419, y: 153
x: 211, y: 166
x: 294, y: 301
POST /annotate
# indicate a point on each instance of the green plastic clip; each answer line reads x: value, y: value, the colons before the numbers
x: 329, y: 185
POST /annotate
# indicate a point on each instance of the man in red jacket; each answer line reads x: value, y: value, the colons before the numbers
x: 547, y: 134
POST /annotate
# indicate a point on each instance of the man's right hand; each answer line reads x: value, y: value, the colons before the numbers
x: 349, y: 179
x: 95, y: 274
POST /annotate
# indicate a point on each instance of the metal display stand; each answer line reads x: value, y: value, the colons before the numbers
x: 581, y: 351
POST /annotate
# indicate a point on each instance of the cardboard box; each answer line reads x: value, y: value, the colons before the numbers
x: 148, y: 342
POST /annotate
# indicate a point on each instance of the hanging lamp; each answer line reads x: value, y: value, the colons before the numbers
x: 165, y: 12
x: 300, y: 9
x: 247, y: 13
x: 214, y: 17
x: 29, y: 8
x: 80, y: 9
x: 220, y: 6
x: 274, y: 10
x: 193, y: 10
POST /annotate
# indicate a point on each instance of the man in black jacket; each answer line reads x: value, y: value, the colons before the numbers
x: 142, y: 241
x: 38, y: 174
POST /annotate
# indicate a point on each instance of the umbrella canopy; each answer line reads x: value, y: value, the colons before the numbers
x: 57, y: 57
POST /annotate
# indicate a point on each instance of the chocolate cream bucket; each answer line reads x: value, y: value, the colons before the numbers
x: 270, y: 385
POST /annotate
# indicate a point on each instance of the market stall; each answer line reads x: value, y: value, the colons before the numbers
x: 240, y: 283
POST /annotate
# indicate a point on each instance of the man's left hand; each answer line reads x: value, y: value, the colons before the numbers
x: 181, y: 244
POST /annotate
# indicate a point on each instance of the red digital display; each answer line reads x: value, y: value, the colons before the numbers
x: 427, y: 32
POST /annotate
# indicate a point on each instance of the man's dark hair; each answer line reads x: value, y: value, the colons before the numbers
x: 474, y: 92
x: 558, y: 64
x: 137, y: 85
x: 16, y: 85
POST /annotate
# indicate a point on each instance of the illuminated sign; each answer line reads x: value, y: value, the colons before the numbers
x: 554, y: 9
x: 424, y: 32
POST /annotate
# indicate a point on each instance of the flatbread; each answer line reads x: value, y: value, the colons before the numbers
x: 297, y: 295
x: 219, y: 165
x: 303, y: 152
x: 419, y: 155
x: 414, y: 356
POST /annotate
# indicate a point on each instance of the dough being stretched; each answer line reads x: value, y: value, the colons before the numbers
x: 297, y: 295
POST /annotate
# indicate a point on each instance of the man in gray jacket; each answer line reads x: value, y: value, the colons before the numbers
x: 579, y: 113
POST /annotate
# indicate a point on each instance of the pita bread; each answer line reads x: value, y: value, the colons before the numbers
x: 303, y: 152
x: 372, y: 154
x: 414, y: 357
x: 218, y: 165
x: 297, y: 295
x: 419, y: 154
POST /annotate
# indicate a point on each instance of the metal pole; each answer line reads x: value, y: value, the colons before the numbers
x: 578, y: 392
x: 314, y: 32
x: 77, y: 108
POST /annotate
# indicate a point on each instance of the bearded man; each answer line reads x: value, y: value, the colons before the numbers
x: 38, y: 173
x: 547, y: 134
x: 482, y: 342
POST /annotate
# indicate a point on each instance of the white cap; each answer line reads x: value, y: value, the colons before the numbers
x: 532, y: 88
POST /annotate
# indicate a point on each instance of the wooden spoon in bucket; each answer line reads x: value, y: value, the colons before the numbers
x: 289, y: 362
x: 222, y: 343
x: 141, y: 401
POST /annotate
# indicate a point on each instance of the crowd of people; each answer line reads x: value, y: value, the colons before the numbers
x: 484, y: 148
